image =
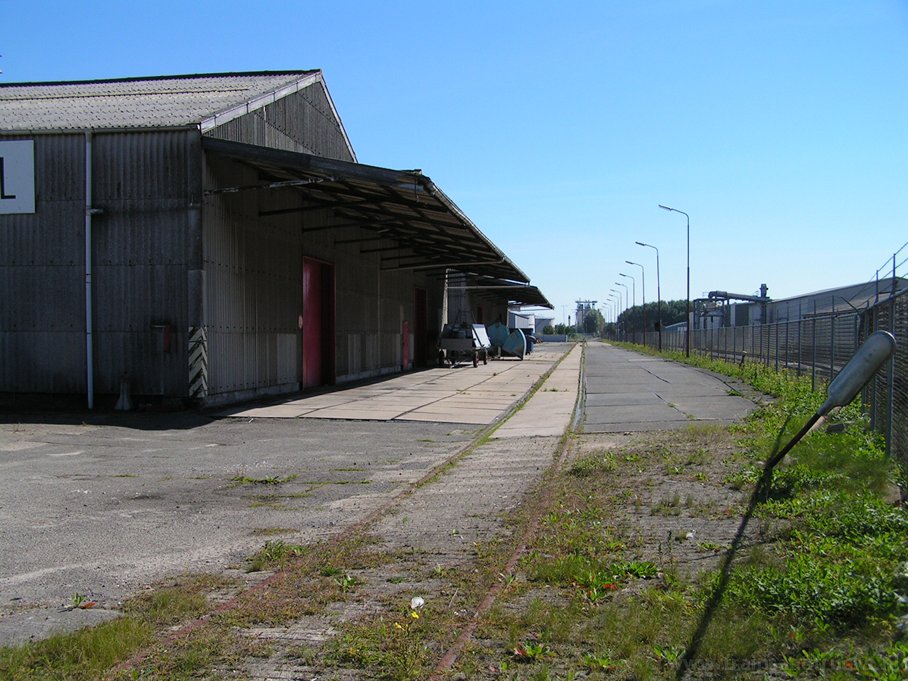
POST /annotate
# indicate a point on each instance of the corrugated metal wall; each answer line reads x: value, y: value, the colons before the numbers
x: 302, y: 122
x: 147, y: 185
x: 148, y: 189
x: 42, y: 313
x: 252, y: 281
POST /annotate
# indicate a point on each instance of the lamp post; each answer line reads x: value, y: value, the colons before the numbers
x: 658, y: 290
x: 642, y: 295
x: 687, y: 339
x: 616, y: 292
x: 618, y: 283
x: 633, y: 289
x: 626, y: 294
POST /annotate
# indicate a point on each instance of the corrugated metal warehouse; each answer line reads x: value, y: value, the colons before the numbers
x: 213, y: 237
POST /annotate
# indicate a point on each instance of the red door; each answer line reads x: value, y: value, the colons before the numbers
x: 419, y: 328
x: 318, y: 323
x: 405, y: 350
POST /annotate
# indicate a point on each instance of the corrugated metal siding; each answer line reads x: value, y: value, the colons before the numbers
x: 253, y: 291
x: 302, y: 122
x: 42, y: 342
x: 145, y: 184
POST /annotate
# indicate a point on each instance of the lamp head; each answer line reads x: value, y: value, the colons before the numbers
x: 859, y: 370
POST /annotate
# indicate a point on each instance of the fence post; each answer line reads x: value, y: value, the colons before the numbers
x: 813, y: 352
x: 800, y: 323
x: 787, y: 340
x: 868, y: 324
x: 777, y: 344
x: 890, y: 374
x: 832, y: 347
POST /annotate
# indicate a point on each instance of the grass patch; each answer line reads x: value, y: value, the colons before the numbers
x: 82, y: 655
x: 88, y: 654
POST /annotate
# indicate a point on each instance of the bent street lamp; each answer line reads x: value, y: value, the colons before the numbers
x: 868, y: 359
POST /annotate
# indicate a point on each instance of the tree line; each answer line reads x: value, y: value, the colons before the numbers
x: 629, y: 321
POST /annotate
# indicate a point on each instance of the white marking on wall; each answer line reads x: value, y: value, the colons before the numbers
x: 17, y: 177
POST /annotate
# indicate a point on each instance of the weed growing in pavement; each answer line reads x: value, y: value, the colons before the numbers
x: 239, y: 480
x: 395, y: 647
x: 273, y: 554
x: 346, y: 583
x: 601, y: 462
x: 269, y: 531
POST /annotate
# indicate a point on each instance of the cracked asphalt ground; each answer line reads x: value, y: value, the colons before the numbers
x: 102, y: 505
x: 101, y: 510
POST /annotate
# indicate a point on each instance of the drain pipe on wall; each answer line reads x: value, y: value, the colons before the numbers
x: 89, y: 311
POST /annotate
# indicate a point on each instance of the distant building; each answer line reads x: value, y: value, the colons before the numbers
x: 830, y: 301
x: 521, y: 320
x: 584, y: 308
x: 729, y: 309
x: 542, y: 322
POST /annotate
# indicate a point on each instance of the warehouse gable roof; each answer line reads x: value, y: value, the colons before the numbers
x: 203, y: 100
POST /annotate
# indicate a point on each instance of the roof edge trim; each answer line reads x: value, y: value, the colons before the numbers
x: 256, y: 103
x: 133, y: 79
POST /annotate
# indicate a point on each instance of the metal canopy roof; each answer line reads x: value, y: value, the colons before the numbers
x: 496, y: 289
x: 430, y: 231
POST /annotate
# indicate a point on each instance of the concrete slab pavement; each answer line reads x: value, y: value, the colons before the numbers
x: 627, y: 392
x: 464, y: 394
x: 549, y: 411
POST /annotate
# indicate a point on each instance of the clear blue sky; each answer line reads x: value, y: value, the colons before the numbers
x: 781, y: 127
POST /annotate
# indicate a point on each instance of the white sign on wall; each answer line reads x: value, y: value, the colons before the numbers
x: 17, y: 176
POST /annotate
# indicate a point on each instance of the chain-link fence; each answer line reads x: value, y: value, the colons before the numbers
x: 819, y: 346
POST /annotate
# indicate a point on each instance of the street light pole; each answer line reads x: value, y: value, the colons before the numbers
x: 633, y: 288
x: 643, y: 295
x: 687, y: 339
x: 617, y: 292
x: 626, y: 294
x: 658, y: 290
x: 618, y: 283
